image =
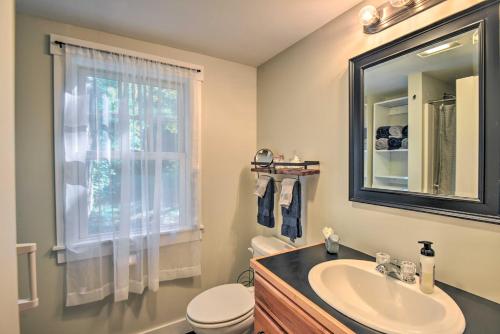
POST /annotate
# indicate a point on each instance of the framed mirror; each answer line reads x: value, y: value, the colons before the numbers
x: 425, y: 119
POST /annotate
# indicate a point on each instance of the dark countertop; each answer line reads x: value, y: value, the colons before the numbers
x: 481, y: 315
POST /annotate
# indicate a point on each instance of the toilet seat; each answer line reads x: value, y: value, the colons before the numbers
x: 222, y: 324
x: 221, y: 306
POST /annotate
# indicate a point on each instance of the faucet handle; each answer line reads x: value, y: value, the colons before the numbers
x: 382, y: 258
x: 408, y: 270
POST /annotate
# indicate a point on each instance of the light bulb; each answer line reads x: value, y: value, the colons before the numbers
x: 400, y: 3
x: 369, y: 15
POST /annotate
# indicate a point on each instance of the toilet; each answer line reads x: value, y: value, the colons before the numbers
x: 228, y: 308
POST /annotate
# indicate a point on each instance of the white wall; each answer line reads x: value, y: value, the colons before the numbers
x: 303, y: 106
x: 9, y: 316
x: 228, y: 206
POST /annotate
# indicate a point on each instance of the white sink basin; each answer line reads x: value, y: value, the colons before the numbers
x: 357, y: 290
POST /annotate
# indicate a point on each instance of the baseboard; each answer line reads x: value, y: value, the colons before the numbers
x: 180, y: 326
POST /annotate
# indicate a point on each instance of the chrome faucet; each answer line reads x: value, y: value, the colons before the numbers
x: 400, y: 270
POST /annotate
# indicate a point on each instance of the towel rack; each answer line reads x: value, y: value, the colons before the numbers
x: 288, y: 168
x: 30, y: 250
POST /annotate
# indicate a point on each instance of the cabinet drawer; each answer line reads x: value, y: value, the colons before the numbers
x: 264, y: 324
x: 290, y: 317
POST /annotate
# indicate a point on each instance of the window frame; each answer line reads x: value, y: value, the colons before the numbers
x: 168, y: 236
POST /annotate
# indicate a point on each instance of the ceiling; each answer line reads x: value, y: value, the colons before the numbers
x: 245, y: 31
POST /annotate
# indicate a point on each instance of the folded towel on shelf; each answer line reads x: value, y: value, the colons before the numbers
x: 382, y: 144
x: 405, y: 131
x: 394, y: 143
x: 291, y: 226
x: 286, y: 191
x: 383, y: 132
x: 265, y: 206
x: 260, y: 187
x: 404, y: 143
x: 396, y: 131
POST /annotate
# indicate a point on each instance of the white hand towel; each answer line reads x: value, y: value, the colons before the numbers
x: 260, y: 187
x: 286, y: 192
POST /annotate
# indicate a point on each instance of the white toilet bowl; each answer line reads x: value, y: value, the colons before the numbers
x: 228, y: 308
x: 224, y: 309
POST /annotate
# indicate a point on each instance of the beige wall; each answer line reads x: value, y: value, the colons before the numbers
x: 229, y: 141
x: 9, y: 318
x: 303, y: 106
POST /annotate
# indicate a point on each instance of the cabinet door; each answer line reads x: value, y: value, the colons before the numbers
x: 286, y: 313
x: 264, y: 324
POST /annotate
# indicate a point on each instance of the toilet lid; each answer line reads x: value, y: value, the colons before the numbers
x: 221, y: 304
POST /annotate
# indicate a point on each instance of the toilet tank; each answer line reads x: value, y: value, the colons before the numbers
x: 263, y: 246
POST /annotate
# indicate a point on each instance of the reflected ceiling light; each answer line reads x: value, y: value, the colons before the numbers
x: 438, y: 49
x: 369, y: 15
x: 401, y: 3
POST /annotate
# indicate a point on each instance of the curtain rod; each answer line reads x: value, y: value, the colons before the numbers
x: 61, y: 44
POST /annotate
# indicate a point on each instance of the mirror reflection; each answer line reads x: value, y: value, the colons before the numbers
x: 421, y: 120
x: 263, y: 157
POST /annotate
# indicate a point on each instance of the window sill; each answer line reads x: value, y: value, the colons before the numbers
x: 166, y: 238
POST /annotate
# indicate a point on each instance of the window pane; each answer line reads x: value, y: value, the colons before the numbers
x: 168, y: 190
x: 171, y: 199
x: 104, y: 196
x: 167, y: 111
x: 170, y: 136
x: 169, y: 120
x: 103, y: 113
x: 154, y: 125
x: 138, y: 134
x: 168, y: 102
x: 105, y: 193
x: 162, y: 104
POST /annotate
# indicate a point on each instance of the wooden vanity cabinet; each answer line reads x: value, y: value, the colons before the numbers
x: 277, y: 313
x: 280, y: 309
x: 264, y: 323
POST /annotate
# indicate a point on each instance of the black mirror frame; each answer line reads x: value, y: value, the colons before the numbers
x: 485, y: 17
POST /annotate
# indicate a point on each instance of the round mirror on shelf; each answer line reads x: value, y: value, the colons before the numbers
x: 263, y: 158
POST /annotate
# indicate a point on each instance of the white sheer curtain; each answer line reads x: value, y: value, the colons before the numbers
x: 130, y: 135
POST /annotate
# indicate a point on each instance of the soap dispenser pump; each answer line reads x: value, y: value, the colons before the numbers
x: 427, y: 267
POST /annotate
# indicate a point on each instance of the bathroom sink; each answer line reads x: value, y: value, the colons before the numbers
x: 356, y: 289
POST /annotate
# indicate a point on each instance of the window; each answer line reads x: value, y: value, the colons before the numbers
x: 105, y: 174
x: 126, y: 146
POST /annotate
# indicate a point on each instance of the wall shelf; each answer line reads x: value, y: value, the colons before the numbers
x: 389, y: 168
x: 287, y: 171
x: 402, y: 150
x: 392, y: 177
x: 392, y: 182
x: 288, y: 168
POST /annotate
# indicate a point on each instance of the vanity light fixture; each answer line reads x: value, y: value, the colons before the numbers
x: 375, y: 19
x: 368, y: 15
x: 439, y: 49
